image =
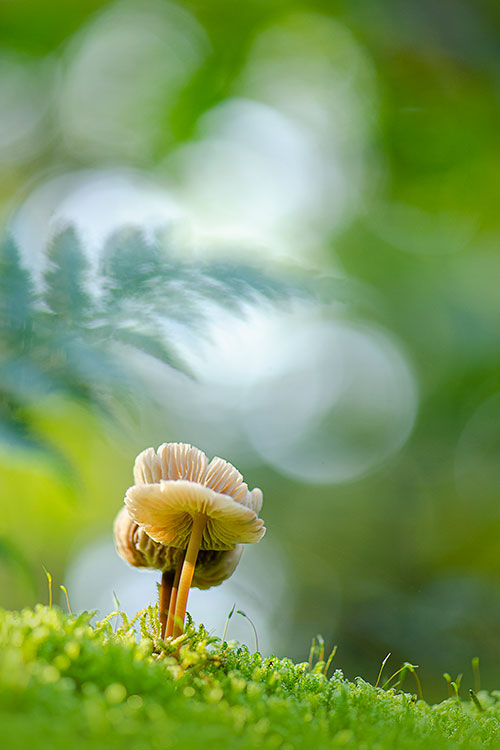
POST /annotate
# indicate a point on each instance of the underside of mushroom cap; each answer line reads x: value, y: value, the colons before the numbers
x: 140, y: 551
x: 214, y: 567
x: 166, y: 510
x: 254, y: 500
x: 123, y: 529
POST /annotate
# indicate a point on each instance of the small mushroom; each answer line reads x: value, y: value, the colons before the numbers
x: 182, y: 501
x: 138, y: 549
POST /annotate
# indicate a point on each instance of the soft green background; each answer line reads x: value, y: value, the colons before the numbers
x: 407, y: 558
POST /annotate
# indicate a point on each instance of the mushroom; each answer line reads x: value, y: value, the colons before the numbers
x: 138, y: 549
x: 182, y: 501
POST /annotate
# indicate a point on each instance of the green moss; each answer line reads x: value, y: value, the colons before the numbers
x: 67, y: 684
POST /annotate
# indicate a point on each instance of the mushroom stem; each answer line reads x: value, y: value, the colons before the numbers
x: 199, y: 523
x: 165, y: 595
x: 173, y: 598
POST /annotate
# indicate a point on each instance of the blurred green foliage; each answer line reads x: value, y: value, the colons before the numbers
x: 403, y: 560
x: 61, y: 340
x: 65, y: 359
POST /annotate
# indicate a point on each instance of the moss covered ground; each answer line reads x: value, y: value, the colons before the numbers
x: 68, y: 684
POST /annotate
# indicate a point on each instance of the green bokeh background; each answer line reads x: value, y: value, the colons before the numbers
x: 407, y: 558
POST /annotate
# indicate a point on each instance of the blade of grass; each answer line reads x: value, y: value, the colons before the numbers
x: 321, y: 645
x: 402, y: 671
x: 382, y: 668
x: 243, y: 614
x: 475, y: 700
x: 330, y: 658
x: 227, y: 623
x: 447, y: 677
x: 49, y: 580
x: 413, y: 669
x: 311, y: 654
x: 65, y: 592
x: 475, y: 672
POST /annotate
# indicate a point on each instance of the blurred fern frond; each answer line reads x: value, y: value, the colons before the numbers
x: 66, y: 294
x: 72, y: 337
x: 17, y: 299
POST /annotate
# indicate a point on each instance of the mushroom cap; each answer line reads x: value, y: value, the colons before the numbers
x: 214, y: 567
x: 165, y: 510
x: 183, y: 461
x: 177, y: 482
x: 138, y: 549
x: 172, y: 461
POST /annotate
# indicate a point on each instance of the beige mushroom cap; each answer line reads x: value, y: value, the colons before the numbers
x: 165, y: 510
x: 182, y: 461
x: 177, y: 483
x: 138, y: 549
